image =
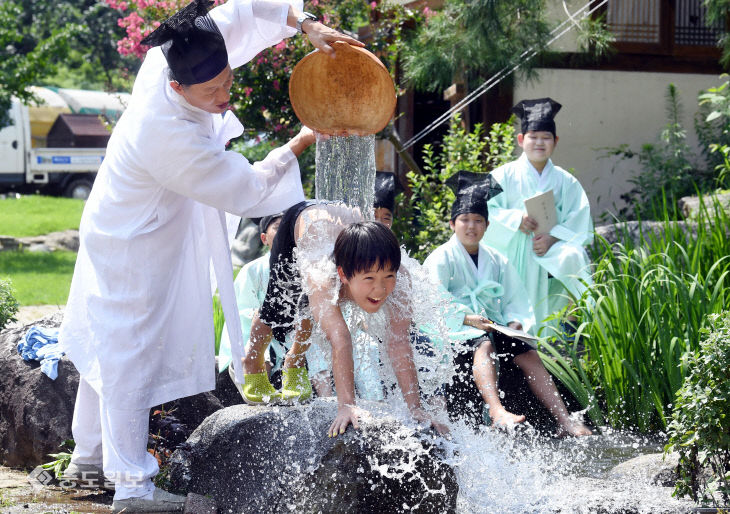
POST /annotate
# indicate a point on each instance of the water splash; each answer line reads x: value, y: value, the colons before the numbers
x: 345, y: 171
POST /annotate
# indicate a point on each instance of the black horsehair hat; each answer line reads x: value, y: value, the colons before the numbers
x: 386, y: 187
x: 537, y: 114
x: 192, y: 44
x: 473, y: 191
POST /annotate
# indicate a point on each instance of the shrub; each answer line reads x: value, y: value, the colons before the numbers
x: 422, y: 222
x: 8, y: 304
x: 700, y: 426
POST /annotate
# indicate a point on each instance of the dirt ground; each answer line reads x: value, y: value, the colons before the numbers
x: 19, y: 494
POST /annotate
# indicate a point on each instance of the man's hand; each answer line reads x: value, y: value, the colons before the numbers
x: 528, y: 225
x: 346, y: 414
x: 321, y: 35
x: 301, y: 141
x: 423, y: 417
x: 541, y: 243
x: 476, y: 321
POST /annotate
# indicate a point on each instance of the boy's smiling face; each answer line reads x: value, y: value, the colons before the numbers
x: 369, y: 289
x: 469, y: 229
x: 538, y: 146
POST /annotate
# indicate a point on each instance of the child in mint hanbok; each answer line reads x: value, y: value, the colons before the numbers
x: 554, y: 267
x: 484, y: 290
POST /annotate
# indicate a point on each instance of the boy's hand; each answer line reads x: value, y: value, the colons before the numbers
x: 422, y: 416
x: 321, y: 36
x: 476, y: 321
x: 346, y: 414
x: 528, y: 225
x: 542, y: 243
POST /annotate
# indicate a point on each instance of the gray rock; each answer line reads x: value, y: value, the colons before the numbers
x: 66, y: 240
x: 35, y: 247
x: 653, y: 467
x: 634, y: 230
x: 35, y: 411
x: 279, y: 459
x: 690, y: 205
x: 8, y: 243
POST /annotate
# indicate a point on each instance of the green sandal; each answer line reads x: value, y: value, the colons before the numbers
x: 295, y: 382
x: 257, y: 390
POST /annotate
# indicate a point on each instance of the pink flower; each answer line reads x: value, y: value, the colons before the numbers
x: 373, y: 5
x: 276, y: 85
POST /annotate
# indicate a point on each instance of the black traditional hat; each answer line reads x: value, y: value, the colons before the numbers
x: 268, y: 220
x: 537, y: 114
x: 192, y: 44
x: 386, y: 187
x: 473, y: 191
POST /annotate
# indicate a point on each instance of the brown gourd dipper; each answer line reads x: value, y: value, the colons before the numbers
x: 351, y: 93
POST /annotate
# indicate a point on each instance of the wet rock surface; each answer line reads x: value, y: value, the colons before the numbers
x: 275, y: 459
x: 36, y: 412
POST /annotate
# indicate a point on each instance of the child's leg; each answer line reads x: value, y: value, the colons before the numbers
x: 257, y: 388
x: 542, y: 385
x: 485, y: 377
x: 294, y: 374
x: 255, y: 359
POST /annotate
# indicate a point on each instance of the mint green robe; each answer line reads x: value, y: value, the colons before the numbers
x: 493, y: 289
x: 567, y: 259
x: 250, y: 288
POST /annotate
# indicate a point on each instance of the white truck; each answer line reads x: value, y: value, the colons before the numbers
x: 23, y: 168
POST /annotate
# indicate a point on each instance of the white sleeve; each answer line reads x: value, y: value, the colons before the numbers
x: 250, y: 26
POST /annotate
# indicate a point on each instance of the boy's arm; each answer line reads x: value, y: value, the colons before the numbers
x: 329, y: 317
x: 399, y: 351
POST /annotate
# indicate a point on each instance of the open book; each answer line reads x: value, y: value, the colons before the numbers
x: 541, y: 208
x: 517, y: 334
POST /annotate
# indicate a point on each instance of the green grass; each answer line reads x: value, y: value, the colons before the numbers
x: 36, y: 215
x: 38, y: 278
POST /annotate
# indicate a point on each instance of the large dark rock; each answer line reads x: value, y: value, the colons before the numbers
x: 35, y: 411
x: 279, y: 459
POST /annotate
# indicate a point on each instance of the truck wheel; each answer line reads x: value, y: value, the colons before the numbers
x: 79, y: 188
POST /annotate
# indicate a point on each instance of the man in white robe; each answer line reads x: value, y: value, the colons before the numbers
x: 554, y: 267
x: 139, y: 320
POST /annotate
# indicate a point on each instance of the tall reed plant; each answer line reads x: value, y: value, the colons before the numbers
x: 646, y: 310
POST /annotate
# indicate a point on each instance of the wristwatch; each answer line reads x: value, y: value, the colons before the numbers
x: 304, y: 17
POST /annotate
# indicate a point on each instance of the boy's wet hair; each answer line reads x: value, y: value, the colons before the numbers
x: 365, y: 244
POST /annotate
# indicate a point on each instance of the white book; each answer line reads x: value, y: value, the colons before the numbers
x: 541, y: 208
x: 517, y: 334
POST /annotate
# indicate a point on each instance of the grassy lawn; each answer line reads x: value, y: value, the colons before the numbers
x: 35, y: 215
x: 38, y: 278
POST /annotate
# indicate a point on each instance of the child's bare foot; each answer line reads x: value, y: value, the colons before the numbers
x: 573, y: 428
x: 503, y: 418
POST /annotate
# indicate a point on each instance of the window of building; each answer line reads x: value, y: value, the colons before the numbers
x: 666, y: 27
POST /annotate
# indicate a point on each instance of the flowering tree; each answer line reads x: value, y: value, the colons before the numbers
x: 260, y: 93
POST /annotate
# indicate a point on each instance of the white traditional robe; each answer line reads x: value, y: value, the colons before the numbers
x: 139, y: 320
x: 492, y: 289
x: 567, y: 259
